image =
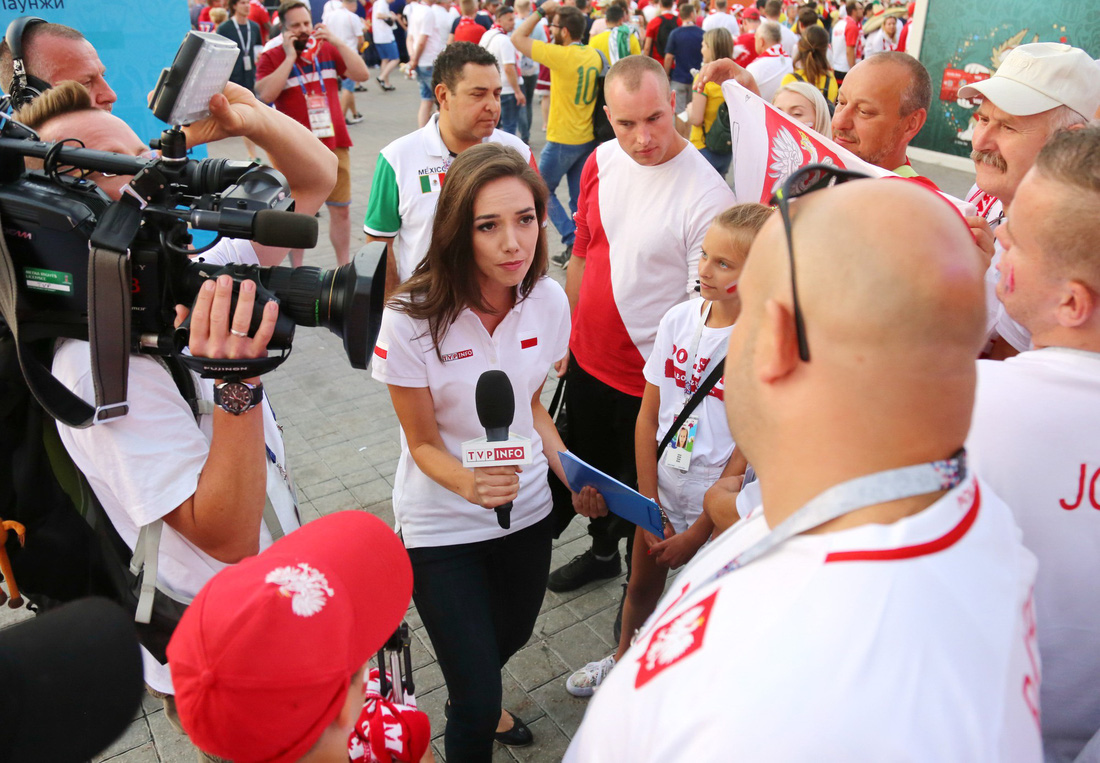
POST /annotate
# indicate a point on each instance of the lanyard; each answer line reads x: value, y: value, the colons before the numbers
x: 859, y: 493
x: 691, y: 381
x: 302, y: 77
x: 245, y: 46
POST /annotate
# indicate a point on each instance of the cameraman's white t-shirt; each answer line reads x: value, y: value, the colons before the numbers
x: 145, y: 464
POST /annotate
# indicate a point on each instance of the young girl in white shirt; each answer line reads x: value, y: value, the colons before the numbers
x: 691, y: 338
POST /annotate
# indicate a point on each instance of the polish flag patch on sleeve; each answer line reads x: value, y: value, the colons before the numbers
x: 674, y: 641
x: 381, y: 349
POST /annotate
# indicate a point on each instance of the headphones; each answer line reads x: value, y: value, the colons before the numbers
x: 25, y: 87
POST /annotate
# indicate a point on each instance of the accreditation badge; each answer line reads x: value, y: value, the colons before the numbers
x: 320, y: 118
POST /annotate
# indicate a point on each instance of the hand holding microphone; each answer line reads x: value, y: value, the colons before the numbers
x: 496, y: 457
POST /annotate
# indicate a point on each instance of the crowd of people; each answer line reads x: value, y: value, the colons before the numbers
x: 867, y: 436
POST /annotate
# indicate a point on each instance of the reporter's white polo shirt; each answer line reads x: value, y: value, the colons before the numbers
x: 533, y: 336
x: 405, y: 190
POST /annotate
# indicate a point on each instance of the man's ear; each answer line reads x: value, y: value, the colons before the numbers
x: 776, y: 354
x: 1076, y: 306
x: 441, y: 95
x: 914, y: 123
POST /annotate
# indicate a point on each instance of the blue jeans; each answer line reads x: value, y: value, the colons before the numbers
x: 558, y: 160
x: 424, y: 78
x: 508, y: 113
x: 720, y: 162
x: 525, y: 112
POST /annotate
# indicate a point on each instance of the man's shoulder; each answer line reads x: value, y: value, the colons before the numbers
x: 512, y: 141
x: 409, y: 147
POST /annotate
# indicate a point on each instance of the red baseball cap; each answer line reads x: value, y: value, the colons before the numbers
x: 750, y: 13
x: 262, y: 659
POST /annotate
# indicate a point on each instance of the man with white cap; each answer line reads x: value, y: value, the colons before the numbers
x: 1036, y: 426
x: 1038, y: 89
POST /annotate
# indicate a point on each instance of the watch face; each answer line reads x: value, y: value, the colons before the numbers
x: 236, y: 397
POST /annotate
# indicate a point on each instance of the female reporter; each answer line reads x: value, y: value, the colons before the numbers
x: 480, y: 300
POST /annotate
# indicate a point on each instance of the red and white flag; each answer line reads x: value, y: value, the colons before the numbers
x: 768, y: 146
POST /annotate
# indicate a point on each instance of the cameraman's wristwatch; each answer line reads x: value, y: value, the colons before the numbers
x: 237, y: 397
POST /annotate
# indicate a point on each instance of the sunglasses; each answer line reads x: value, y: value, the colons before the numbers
x: 812, y: 177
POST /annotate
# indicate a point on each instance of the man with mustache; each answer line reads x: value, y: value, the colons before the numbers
x: 1038, y: 90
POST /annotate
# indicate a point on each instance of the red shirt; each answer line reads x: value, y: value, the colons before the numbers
x: 468, y: 30
x: 853, y: 36
x: 259, y: 14
x: 205, y: 24
x: 651, y: 34
x: 323, y: 60
x: 748, y: 42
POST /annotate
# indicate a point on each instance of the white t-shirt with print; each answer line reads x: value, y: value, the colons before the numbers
x: 912, y: 641
x: 532, y: 337
x: 145, y: 464
x: 668, y: 370
x: 1035, y: 438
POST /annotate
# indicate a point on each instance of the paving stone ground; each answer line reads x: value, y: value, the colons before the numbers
x: 341, y: 439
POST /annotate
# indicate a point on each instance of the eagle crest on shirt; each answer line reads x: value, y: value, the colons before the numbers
x: 789, y: 154
x: 307, y: 588
x: 672, y: 643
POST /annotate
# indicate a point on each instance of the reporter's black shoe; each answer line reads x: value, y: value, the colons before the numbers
x: 582, y: 570
x: 517, y: 736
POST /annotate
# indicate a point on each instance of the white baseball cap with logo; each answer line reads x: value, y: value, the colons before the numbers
x: 1041, y: 76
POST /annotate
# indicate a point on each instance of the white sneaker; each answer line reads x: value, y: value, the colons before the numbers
x: 583, y: 683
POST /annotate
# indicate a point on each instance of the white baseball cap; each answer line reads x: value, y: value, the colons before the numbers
x: 1041, y: 76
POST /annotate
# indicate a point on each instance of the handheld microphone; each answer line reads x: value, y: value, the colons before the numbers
x: 496, y: 407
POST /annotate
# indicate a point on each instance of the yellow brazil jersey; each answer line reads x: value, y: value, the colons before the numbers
x: 715, y: 99
x: 601, y: 42
x: 574, y: 72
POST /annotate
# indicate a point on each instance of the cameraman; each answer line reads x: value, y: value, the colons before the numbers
x: 207, y: 481
x: 54, y: 53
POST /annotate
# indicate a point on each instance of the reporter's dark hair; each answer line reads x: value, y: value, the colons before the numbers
x: 574, y: 22
x: 446, y: 280
x: 453, y: 58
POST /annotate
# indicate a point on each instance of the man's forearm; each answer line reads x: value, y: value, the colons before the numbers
x: 224, y: 515
x: 573, y: 276
x: 668, y: 65
x: 268, y: 89
x: 307, y: 164
x: 510, y: 75
x: 418, y: 48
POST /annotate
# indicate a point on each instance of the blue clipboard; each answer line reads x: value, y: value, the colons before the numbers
x: 621, y: 500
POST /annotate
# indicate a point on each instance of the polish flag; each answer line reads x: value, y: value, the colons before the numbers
x: 768, y: 146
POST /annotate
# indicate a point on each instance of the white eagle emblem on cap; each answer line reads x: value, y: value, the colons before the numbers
x: 307, y: 588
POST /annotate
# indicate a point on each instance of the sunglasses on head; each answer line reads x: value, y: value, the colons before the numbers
x: 812, y: 177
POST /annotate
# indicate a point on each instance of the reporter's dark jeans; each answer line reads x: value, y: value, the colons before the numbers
x: 479, y: 602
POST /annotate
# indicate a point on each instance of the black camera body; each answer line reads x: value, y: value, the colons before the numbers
x: 52, y: 220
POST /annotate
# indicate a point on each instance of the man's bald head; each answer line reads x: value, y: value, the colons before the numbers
x: 55, y: 53
x: 894, y: 318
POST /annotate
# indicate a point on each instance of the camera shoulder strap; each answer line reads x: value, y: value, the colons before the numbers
x: 108, y: 333
x: 693, y: 403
